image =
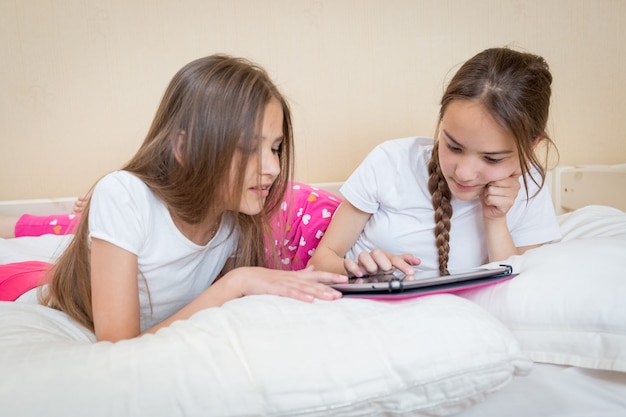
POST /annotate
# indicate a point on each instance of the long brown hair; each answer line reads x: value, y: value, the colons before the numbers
x: 209, y: 117
x: 515, y: 88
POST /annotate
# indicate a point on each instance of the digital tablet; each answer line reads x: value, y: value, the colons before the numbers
x: 423, y: 281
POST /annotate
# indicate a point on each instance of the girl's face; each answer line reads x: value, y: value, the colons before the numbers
x: 261, y: 173
x: 474, y: 149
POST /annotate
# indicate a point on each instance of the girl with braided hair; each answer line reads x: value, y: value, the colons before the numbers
x: 472, y: 195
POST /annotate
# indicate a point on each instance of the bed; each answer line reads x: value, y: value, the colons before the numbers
x: 550, y: 342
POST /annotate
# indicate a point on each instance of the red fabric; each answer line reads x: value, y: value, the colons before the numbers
x: 20, y: 277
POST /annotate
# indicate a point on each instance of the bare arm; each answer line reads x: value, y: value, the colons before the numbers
x: 343, y: 231
x: 500, y: 244
x: 305, y: 285
x: 115, y: 294
x: 497, y: 200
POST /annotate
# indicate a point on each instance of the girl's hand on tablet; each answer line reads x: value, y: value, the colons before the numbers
x: 306, y: 285
x: 380, y: 261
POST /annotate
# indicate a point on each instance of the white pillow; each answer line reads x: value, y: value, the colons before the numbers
x: 568, y: 304
x: 263, y: 355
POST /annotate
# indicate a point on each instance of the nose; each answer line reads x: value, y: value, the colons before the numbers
x: 466, y: 169
x: 270, y: 163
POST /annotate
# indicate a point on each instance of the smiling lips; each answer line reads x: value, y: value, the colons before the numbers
x: 263, y: 190
x: 462, y: 187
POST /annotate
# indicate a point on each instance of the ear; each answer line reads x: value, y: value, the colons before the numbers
x: 179, y: 147
x: 536, y: 142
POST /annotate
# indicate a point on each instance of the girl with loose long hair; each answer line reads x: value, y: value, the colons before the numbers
x: 188, y: 208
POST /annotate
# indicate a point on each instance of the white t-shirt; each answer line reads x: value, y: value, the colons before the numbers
x: 172, y: 269
x: 392, y: 184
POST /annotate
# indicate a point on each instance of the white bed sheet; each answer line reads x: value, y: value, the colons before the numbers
x: 557, y: 391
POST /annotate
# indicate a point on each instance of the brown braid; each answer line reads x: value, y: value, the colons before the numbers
x: 441, y: 196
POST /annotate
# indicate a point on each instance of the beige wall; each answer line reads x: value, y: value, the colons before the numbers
x: 80, y: 80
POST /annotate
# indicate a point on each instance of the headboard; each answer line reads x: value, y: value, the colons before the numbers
x: 574, y: 187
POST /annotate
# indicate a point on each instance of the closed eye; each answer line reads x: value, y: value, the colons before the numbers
x: 452, y: 148
x: 455, y: 147
x: 493, y: 160
x: 277, y: 147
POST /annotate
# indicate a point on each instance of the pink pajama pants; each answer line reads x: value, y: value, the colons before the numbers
x: 20, y: 277
x: 300, y: 223
x: 56, y: 224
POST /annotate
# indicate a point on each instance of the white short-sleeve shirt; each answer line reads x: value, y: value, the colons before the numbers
x: 392, y: 184
x: 172, y: 269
